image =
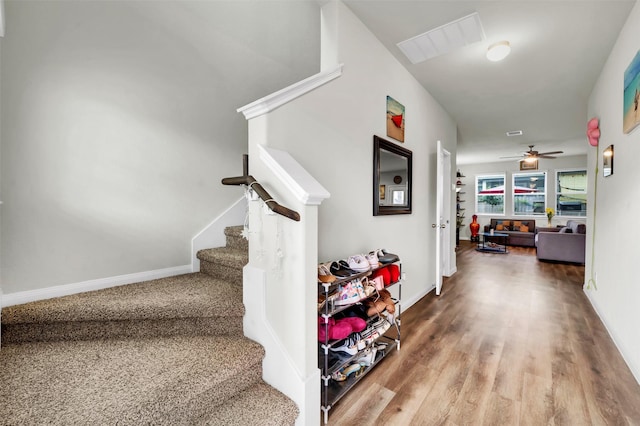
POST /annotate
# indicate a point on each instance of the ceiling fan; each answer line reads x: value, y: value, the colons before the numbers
x: 532, y: 155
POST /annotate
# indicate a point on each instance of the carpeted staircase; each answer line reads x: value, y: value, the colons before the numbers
x: 164, y: 352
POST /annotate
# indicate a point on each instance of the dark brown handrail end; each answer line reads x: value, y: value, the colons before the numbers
x: 262, y: 193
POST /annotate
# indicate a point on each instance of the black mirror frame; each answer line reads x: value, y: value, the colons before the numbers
x: 379, y: 143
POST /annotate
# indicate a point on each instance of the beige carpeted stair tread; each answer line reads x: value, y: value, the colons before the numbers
x: 225, y: 256
x: 235, y: 239
x: 183, y: 296
x: 150, y: 381
x: 268, y: 408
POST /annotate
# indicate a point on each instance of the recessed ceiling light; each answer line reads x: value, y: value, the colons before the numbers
x: 443, y: 39
x: 498, y: 51
x: 514, y: 133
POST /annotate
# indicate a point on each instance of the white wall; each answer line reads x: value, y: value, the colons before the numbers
x: 330, y: 132
x: 615, y: 242
x: 1, y: 34
x: 120, y: 123
x: 470, y: 171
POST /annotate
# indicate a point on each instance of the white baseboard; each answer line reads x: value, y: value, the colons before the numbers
x: 407, y: 303
x: 21, y: 297
x: 634, y: 371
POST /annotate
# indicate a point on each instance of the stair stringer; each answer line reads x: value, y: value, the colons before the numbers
x: 213, y: 234
x: 279, y: 370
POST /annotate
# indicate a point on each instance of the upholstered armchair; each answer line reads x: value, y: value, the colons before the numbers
x: 566, y: 244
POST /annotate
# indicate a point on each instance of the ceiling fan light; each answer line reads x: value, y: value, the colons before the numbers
x: 530, y: 159
x: 498, y: 51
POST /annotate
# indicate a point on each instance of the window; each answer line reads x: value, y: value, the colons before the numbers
x: 571, y: 193
x: 490, y: 194
x: 529, y: 193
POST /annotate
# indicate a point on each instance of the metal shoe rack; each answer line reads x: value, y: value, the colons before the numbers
x: 331, y: 390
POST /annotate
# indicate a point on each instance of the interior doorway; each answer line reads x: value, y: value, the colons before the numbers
x: 442, y: 225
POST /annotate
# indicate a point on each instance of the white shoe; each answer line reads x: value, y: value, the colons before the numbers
x: 358, y: 263
x: 372, y: 258
x: 349, y: 346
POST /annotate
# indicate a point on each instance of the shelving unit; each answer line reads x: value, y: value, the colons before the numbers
x: 459, y: 204
x: 331, y: 362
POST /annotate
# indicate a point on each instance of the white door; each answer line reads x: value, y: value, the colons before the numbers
x: 443, y: 213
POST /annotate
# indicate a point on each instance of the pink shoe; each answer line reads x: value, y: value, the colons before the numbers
x: 356, y: 323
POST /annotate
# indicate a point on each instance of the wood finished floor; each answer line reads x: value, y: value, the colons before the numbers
x: 510, y: 341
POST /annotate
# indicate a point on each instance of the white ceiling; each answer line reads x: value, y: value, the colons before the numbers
x: 542, y: 87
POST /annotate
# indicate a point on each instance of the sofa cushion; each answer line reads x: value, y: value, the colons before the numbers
x: 524, y: 228
x: 565, y: 230
x: 577, y: 227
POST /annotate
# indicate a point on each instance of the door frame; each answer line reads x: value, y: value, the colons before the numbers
x: 443, y: 224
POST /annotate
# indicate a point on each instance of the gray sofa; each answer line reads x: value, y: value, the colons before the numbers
x: 566, y: 244
x: 521, y: 231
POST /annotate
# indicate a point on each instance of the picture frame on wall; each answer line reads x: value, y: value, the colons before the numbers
x: 529, y: 165
x: 631, y: 95
x: 395, y: 119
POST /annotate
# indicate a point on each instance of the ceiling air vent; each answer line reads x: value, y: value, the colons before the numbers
x: 515, y: 133
x: 443, y: 39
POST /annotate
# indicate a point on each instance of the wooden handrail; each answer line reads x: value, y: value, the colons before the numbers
x: 249, y: 181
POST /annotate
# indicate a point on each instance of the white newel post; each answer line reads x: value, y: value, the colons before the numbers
x: 279, y: 281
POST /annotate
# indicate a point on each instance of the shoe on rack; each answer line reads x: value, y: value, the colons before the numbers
x: 348, y: 293
x: 349, y: 346
x: 324, y: 274
x: 385, y: 257
x: 369, y: 286
x: 358, y: 263
x: 336, y: 330
x: 388, y: 301
x: 368, y: 356
x: 377, y: 282
x: 372, y: 258
x: 382, y: 273
x: 375, y: 307
x: 394, y: 273
x: 357, y: 324
x: 360, y: 342
x: 321, y: 301
x: 341, y: 270
x: 381, y: 347
x: 357, y: 283
x: 390, y: 317
x: 353, y: 368
x: 369, y: 335
x: 381, y: 326
x: 339, y: 376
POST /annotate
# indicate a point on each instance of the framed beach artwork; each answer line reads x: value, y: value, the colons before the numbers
x: 631, y: 95
x: 395, y: 119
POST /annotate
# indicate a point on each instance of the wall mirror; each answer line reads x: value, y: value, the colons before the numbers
x: 391, y: 178
x: 607, y: 161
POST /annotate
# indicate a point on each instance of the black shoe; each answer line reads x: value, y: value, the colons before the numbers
x: 341, y: 270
